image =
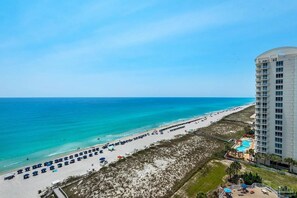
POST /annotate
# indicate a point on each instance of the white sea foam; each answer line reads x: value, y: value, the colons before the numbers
x: 14, y: 163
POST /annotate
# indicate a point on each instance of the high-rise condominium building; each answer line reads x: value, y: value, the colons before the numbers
x: 276, y: 102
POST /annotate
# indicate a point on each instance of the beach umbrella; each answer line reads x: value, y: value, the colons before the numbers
x: 227, y: 190
x: 102, y: 159
x: 244, y: 186
x: 111, y: 148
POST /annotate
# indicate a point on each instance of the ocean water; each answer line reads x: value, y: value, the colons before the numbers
x: 40, y: 128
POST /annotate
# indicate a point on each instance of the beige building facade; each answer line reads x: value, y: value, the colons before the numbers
x: 276, y: 102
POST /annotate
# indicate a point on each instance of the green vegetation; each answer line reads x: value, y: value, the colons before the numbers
x: 233, y: 169
x: 291, y: 162
x: 205, y: 180
x: 233, y: 126
x: 250, y: 178
x: 201, y: 195
x: 274, y: 179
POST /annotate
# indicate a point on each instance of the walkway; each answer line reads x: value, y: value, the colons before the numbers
x: 58, y: 193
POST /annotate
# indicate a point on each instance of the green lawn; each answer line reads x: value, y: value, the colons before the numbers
x: 274, y: 179
x: 207, y: 179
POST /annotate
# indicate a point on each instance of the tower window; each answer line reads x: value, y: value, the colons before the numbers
x: 279, y: 63
x: 280, y: 69
x: 277, y: 151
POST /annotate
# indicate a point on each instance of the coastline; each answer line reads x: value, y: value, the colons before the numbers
x: 80, y: 168
x: 63, y: 132
x: 60, y: 154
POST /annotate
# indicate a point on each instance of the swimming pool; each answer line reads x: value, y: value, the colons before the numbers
x: 244, y: 146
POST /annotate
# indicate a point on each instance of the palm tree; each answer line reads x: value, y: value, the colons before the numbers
x: 251, y: 152
x: 266, y: 157
x: 258, y: 156
x: 236, y: 166
x: 291, y: 162
x: 275, y: 158
x: 230, y: 171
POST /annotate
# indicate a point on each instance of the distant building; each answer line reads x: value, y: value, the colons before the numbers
x: 276, y: 102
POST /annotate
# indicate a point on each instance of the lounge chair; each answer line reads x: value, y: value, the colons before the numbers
x: 35, y: 173
x: 26, y: 176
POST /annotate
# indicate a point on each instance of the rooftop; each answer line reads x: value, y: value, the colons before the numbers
x: 278, y: 51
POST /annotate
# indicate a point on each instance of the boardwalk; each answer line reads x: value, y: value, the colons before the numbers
x: 59, y: 193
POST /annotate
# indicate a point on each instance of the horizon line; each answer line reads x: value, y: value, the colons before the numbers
x: 15, y: 97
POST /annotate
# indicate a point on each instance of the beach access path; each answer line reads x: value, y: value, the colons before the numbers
x: 19, y: 187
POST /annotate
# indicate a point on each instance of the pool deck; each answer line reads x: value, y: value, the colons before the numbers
x: 245, y: 155
x: 258, y: 192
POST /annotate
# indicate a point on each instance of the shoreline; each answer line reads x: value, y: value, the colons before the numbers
x: 62, y: 154
x: 83, y: 167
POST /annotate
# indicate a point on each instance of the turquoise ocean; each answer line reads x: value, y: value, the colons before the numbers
x: 42, y: 128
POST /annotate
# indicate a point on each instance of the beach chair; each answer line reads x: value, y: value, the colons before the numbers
x: 264, y: 191
x: 20, y: 171
x: 35, y: 173
x: 26, y: 176
x: 9, y: 176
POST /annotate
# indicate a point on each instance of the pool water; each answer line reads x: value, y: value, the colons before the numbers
x: 244, y: 146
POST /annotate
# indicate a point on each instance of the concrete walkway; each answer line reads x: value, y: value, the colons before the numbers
x: 58, y: 193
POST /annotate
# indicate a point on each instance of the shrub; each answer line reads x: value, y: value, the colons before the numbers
x: 201, y: 195
x: 250, y: 178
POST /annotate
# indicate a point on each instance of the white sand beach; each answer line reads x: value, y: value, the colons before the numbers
x: 28, y: 188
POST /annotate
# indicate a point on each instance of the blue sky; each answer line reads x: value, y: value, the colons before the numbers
x: 138, y: 48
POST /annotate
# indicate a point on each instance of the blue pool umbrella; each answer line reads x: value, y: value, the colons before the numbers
x: 227, y: 190
x: 244, y: 186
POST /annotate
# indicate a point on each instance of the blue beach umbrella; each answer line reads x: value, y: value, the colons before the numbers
x: 244, y: 186
x: 102, y: 159
x: 227, y: 190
